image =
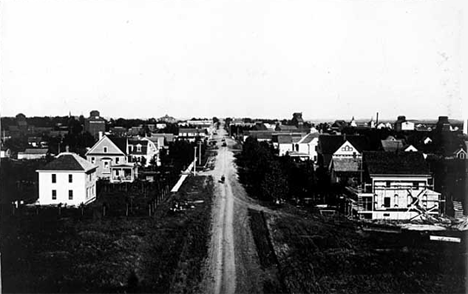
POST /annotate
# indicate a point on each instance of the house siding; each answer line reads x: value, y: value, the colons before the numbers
x: 80, y: 185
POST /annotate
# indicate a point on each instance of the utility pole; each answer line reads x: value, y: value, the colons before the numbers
x: 195, y: 161
x: 199, y: 152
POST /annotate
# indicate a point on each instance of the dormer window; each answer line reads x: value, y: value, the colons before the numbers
x: 105, y: 149
x: 461, y: 155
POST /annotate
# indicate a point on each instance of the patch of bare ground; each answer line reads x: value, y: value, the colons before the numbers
x: 332, y: 255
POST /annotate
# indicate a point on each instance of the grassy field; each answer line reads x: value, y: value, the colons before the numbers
x: 158, y: 254
x: 320, y: 255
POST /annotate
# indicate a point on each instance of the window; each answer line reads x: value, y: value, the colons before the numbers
x: 138, y: 148
x: 430, y: 182
x: 70, y: 194
x: 54, y: 178
x: 106, y: 164
x: 461, y: 155
x: 347, y: 148
x: 130, y: 148
x: 70, y: 178
x: 105, y: 149
x: 93, y: 160
x: 54, y: 194
x: 388, y: 184
x: 415, y: 185
x: 395, y: 200
x: 117, y: 160
x: 387, y: 202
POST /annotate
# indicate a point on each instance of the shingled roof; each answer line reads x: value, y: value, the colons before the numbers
x: 330, y: 143
x: 402, y: 163
x: 121, y: 143
x: 308, y: 138
x: 392, y: 145
x: 69, y: 161
x: 345, y: 165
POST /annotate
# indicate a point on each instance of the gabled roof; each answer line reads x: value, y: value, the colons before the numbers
x: 286, y: 128
x: 361, y: 143
x: 262, y: 135
x: 390, y: 163
x: 392, y: 145
x: 345, y: 164
x: 330, y: 143
x: 121, y: 143
x: 68, y: 161
x: 35, y: 151
x: 308, y: 138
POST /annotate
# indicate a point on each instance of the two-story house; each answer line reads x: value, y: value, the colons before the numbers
x: 110, y: 155
x: 342, y: 156
x: 286, y: 143
x: 68, y: 179
x: 142, y: 151
x: 398, y: 186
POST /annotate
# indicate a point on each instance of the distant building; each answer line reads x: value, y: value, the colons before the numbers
x: 353, y: 123
x: 33, y: 153
x: 261, y: 136
x: 118, y: 131
x: 69, y: 179
x: 443, y: 124
x: 308, y: 146
x: 286, y: 128
x: 190, y: 134
x: 403, y: 125
x: 167, y: 119
x: 95, y: 124
x: 297, y: 119
x: 286, y: 143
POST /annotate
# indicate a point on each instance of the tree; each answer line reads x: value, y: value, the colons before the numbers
x: 275, y: 185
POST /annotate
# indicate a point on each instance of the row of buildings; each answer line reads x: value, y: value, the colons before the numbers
x: 71, y: 179
x: 388, y: 178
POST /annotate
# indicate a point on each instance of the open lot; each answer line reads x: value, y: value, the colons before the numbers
x: 314, y: 254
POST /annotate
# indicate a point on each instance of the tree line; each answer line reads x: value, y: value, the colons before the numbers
x: 277, y: 179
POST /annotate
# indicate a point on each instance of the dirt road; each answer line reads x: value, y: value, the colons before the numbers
x: 232, y: 265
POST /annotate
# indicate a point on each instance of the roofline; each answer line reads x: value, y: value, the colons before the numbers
x: 103, y: 137
x: 400, y: 175
x: 109, y: 154
x: 67, y: 170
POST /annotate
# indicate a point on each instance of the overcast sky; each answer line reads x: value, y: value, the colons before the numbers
x: 243, y: 58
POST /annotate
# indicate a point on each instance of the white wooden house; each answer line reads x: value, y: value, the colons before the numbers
x: 68, y: 179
